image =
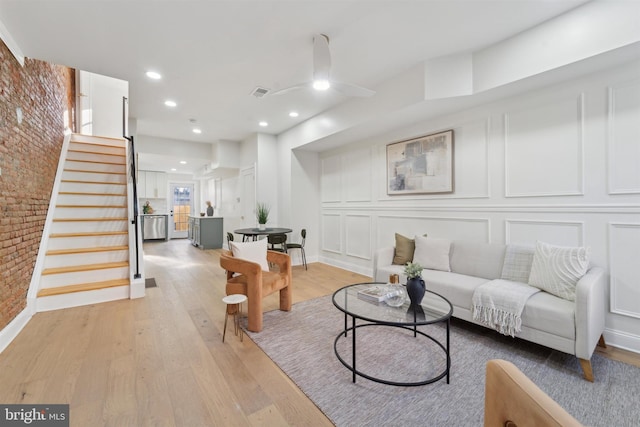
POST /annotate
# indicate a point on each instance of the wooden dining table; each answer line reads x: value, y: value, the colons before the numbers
x: 253, y: 233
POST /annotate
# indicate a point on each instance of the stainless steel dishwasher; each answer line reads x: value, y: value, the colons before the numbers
x: 154, y: 227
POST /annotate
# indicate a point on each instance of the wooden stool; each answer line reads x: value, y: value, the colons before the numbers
x: 237, y: 300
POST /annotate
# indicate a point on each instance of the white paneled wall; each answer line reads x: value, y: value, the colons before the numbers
x: 543, y: 149
x: 560, y: 165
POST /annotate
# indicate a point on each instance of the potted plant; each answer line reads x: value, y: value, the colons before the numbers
x: 415, y: 285
x: 262, y: 214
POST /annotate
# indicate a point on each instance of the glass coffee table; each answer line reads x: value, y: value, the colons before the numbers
x: 433, y: 309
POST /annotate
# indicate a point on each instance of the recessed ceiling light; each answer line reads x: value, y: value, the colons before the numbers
x: 170, y: 103
x: 263, y: 124
x: 173, y: 169
x: 196, y: 130
x: 293, y: 114
x: 183, y: 162
x: 153, y: 75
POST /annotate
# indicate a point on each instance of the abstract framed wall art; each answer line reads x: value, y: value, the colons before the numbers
x: 421, y: 165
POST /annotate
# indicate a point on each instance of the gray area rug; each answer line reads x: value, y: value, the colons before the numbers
x: 300, y: 342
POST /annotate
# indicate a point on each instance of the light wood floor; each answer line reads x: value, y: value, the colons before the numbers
x: 160, y: 360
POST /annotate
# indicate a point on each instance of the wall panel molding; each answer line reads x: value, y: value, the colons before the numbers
x: 623, y: 136
x: 561, y: 233
x: 624, y: 270
x: 544, y: 149
x: 608, y: 208
x: 358, y: 236
x: 332, y: 233
x: 448, y: 227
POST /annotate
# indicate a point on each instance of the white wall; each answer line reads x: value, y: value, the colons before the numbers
x: 101, y: 104
x: 561, y: 165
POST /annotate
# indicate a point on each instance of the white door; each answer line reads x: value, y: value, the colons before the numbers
x: 248, y: 197
x: 180, y: 207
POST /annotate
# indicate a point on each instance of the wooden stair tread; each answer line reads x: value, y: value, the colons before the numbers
x: 102, y: 219
x: 76, y: 181
x: 82, y: 135
x: 73, y: 150
x: 79, y: 193
x: 87, y: 250
x: 91, y: 206
x: 86, y: 267
x: 81, y: 287
x: 100, y: 162
x: 89, y: 234
x: 91, y: 171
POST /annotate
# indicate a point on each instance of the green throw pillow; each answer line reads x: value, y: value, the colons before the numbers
x: 404, y: 250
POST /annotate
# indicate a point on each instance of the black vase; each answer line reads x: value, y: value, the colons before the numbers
x: 416, y: 289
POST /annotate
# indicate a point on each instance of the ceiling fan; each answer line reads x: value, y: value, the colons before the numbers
x: 321, y: 71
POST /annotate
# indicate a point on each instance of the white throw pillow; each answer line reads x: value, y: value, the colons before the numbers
x: 252, y: 251
x: 432, y: 253
x: 557, y: 269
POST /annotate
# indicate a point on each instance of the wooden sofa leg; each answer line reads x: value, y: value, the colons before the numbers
x: 601, y: 342
x: 586, y: 369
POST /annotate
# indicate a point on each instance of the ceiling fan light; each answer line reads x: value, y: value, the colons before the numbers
x: 321, y: 84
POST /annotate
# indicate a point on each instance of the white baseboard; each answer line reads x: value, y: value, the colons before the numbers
x: 365, y: 271
x: 622, y: 340
x: 14, y: 327
x: 76, y: 299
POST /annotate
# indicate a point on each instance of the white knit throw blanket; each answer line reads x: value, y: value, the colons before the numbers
x: 498, y: 305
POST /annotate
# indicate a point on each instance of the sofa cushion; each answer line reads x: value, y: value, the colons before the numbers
x: 432, y: 253
x: 548, y: 313
x: 457, y: 288
x: 477, y: 259
x: 403, y: 250
x: 517, y: 263
x: 557, y: 269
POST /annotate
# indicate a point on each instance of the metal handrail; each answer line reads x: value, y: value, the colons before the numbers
x: 134, y: 178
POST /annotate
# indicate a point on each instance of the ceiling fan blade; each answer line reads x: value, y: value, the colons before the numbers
x: 349, y: 89
x: 321, y: 57
x: 291, y: 88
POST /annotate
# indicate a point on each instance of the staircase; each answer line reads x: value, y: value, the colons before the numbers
x: 87, y: 252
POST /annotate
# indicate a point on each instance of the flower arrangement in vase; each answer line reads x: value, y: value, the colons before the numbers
x: 415, y: 285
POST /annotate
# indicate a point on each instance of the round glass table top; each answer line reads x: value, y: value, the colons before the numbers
x: 351, y: 300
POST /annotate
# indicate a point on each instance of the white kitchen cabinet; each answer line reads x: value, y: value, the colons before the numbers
x: 152, y: 185
x: 142, y: 184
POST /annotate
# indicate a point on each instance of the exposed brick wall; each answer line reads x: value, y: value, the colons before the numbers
x: 29, y: 154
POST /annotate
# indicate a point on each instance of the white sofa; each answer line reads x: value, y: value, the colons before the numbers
x: 573, y: 327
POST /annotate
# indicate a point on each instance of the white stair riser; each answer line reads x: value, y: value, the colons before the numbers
x: 102, y: 158
x: 98, y: 167
x: 90, y: 212
x: 68, y: 260
x: 88, y: 226
x: 84, y: 200
x: 86, y: 242
x: 80, y: 187
x: 96, y: 148
x: 116, y: 142
x: 79, y: 277
x: 94, y: 177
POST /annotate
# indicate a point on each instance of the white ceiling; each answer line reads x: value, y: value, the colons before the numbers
x: 212, y: 54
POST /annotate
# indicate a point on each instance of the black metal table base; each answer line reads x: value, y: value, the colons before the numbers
x: 352, y: 367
